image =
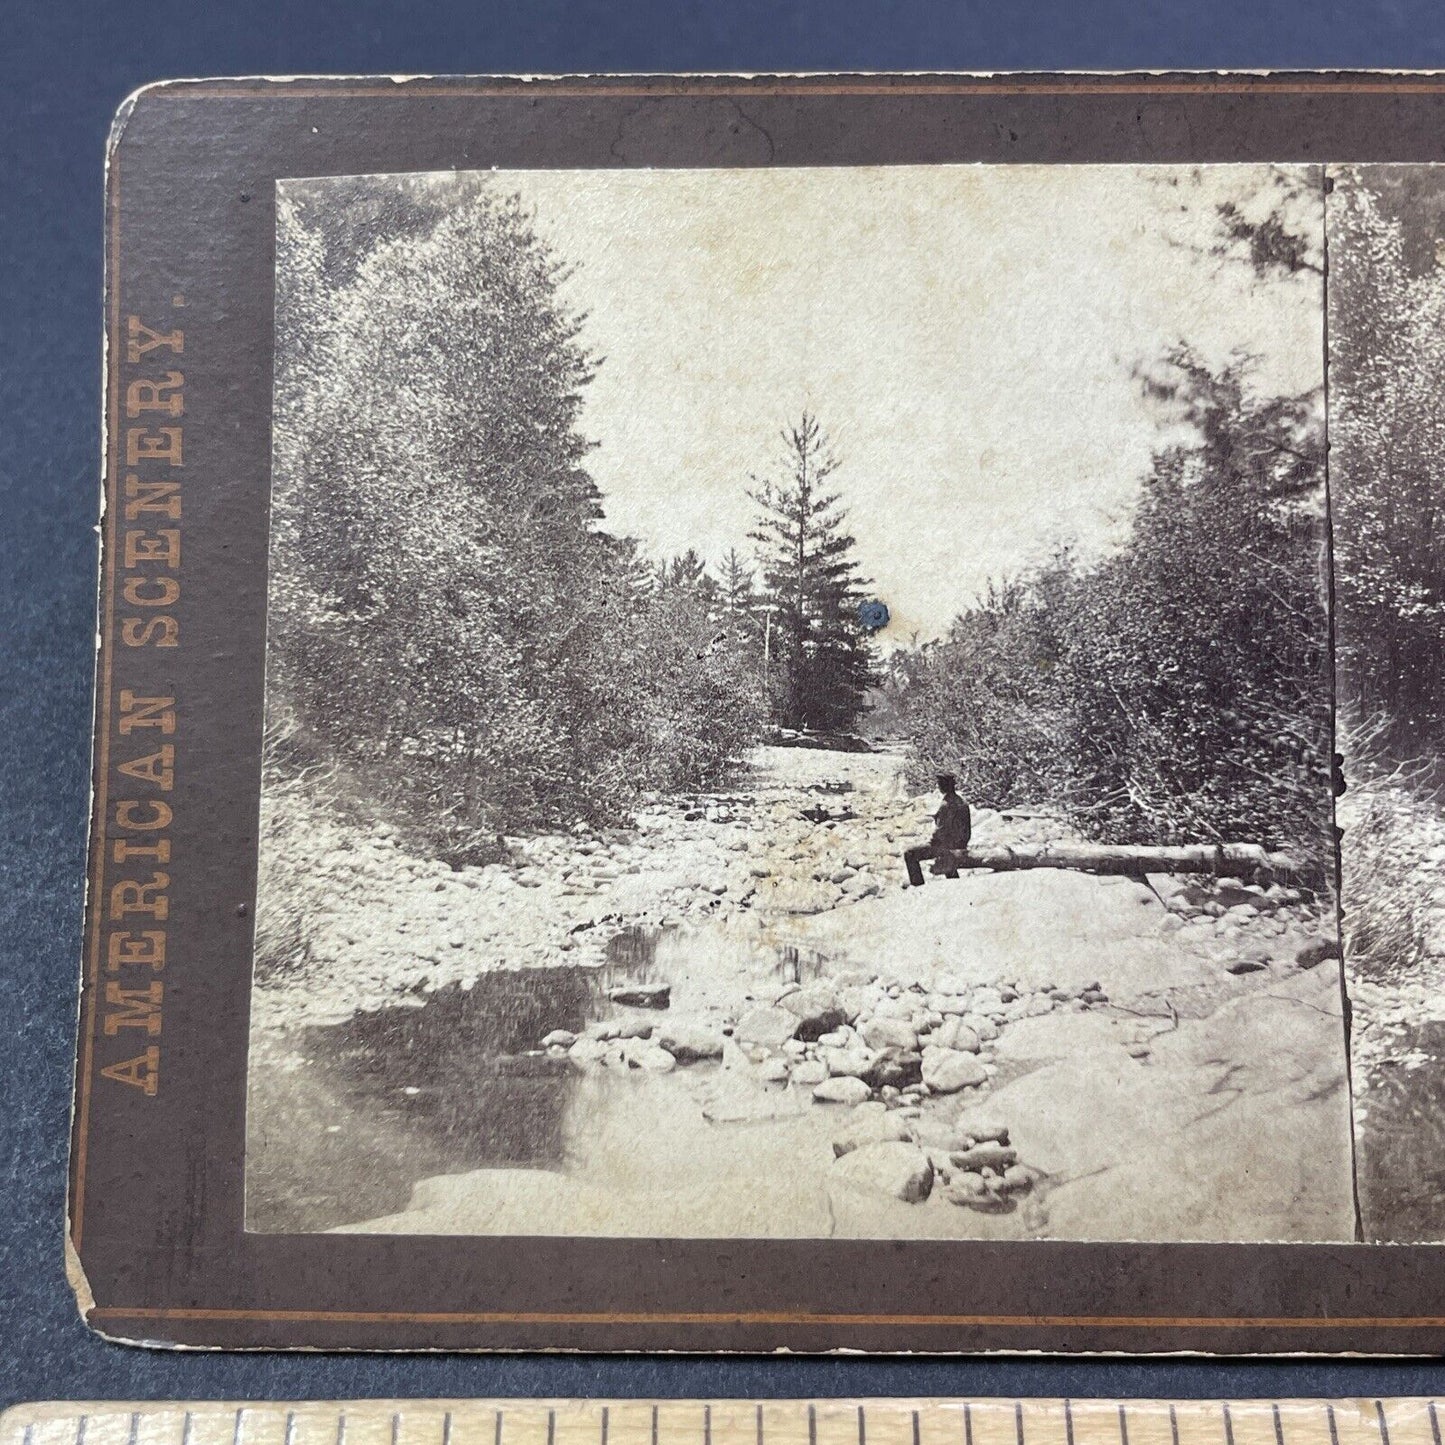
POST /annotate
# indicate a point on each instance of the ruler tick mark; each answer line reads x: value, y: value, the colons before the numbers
x: 760, y: 1425
x: 341, y: 1427
x: 1384, y: 1426
x: 290, y: 1436
x: 604, y: 1425
x: 862, y: 1428
x: 917, y: 1430
x: 551, y: 1428
x: 967, y: 1423
x: 1434, y: 1422
x: 1173, y: 1425
x: 1330, y: 1417
x: 1069, y: 1421
x: 1019, y: 1421
x: 1278, y: 1424
x: 447, y: 1428
x: 1228, y: 1424
x: 497, y: 1438
x: 812, y: 1425
x: 1123, y: 1427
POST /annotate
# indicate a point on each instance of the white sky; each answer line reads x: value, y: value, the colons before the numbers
x: 966, y: 334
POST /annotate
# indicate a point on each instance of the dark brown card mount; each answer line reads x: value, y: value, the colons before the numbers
x: 158, y: 1245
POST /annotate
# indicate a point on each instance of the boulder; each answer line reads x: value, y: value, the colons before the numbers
x: 587, y: 1051
x: 559, y: 1038
x: 897, y: 1170
x: 815, y: 1022
x: 982, y: 1130
x: 987, y: 1155
x: 949, y: 1003
x: 894, y: 1068
x: 1316, y: 952
x: 946, y: 1071
x: 689, y: 1042
x: 810, y: 1071
x: 771, y: 1027
x: 642, y: 995
x: 972, y: 1191
x: 1016, y: 1180
x: 854, y: 1061
x: 956, y: 1034
x: 1244, y: 965
x: 982, y: 1025
x: 647, y: 1055
x: 883, y: 1032
x: 968, y: 1189
x: 870, y: 1123
x: 844, y: 1089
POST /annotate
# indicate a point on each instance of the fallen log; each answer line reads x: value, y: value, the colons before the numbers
x: 1249, y: 862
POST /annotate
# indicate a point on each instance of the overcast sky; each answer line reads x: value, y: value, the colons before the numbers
x: 966, y: 333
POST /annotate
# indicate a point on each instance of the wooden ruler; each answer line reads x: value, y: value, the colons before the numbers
x: 732, y: 1422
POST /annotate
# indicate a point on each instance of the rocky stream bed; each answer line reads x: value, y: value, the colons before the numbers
x: 734, y: 1019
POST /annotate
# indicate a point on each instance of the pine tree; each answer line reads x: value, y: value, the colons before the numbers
x: 812, y: 586
x: 738, y: 598
x: 686, y: 570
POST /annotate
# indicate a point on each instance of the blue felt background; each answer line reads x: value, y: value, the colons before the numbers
x: 64, y: 67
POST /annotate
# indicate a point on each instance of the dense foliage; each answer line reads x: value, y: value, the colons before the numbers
x: 1177, y: 689
x: 1387, y: 340
x: 450, y: 627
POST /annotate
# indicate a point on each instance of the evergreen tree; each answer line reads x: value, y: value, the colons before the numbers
x: 686, y: 570
x: 812, y: 584
x: 738, y: 598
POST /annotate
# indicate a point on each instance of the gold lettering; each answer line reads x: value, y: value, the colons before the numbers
x: 168, y: 591
x: 132, y: 897
x: 163, y: 545
x: 163, y: 497
x: 163, y: 444
x: 142, y: 1072
x: 146, y: 712
x: 159, y: 851
x: 141, y: 340
x: 150, y: 632
x: 161, y: 818
x: 158, y: 768
x: 147, y: 948
x: 140, y: 1008
x: 146, y: 395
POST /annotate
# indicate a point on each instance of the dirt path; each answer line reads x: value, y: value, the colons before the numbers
x: 1144, y: 1089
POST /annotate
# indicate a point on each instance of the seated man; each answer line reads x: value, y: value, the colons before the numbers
x: 954, y: 828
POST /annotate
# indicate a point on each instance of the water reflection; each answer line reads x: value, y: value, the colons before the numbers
x: 344, y: 1118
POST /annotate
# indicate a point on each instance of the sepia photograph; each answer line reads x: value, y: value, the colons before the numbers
x: 799, y: 705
